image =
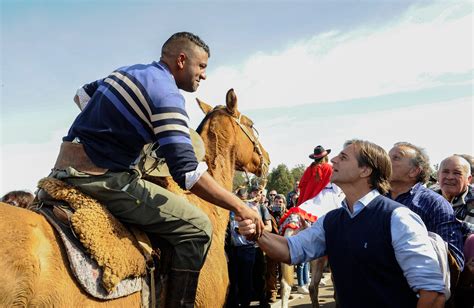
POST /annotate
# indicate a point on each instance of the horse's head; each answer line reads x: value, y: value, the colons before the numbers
x: 225, y: 127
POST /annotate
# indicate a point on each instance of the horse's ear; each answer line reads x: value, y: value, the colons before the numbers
x: 231, y: 102
x: 204, y: 107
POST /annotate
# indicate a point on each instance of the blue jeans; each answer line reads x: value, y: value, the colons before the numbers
x: 302, y: 272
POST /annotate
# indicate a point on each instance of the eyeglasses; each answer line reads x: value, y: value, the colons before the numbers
x: 272, y: 194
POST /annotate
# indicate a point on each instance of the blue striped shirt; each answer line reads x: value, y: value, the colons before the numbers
x: 438, y: 216
x: 410, y: 242
x: 133, y: 106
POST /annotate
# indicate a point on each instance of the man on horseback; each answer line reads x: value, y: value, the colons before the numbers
x: 379, y: 250
x: 138, y: 105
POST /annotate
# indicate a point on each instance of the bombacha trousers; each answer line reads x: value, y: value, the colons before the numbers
x: 134, y: 200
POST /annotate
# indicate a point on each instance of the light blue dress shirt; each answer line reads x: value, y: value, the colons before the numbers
x: 413, y: 250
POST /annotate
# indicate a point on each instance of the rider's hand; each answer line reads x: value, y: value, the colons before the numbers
x: 246, y: 228
x: 252, y: 218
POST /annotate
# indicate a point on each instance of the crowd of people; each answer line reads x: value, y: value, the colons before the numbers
x: 445, y: 208
x: 391, y: 208
x: 382, y: 222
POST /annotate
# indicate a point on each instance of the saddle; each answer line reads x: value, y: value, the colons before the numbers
x: 152, y: 163
x: 104, y: 256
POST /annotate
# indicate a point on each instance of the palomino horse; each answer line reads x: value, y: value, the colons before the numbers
x: 33, y: 266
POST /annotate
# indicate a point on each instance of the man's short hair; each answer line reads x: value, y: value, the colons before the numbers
x: 375, y: 157
x: 470, y: 160
x: 281, y: 196
x: 420, y: 160
x: 241, y: 192
x: 465, y: 165
x: 19, y: 198
x: 170, y: 46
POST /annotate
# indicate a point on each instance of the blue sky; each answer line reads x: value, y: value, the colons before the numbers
x: 307, y: 72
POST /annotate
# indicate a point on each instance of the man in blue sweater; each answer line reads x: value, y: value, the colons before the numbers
x: 137, y: 105
x: 378, y: 249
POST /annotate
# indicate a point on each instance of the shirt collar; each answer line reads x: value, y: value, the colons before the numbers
x: 415, y: 188
x: 162, y: 65
x: 411, y: 192
x: 361, y: 203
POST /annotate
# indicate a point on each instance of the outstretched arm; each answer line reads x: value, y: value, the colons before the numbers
x: 431, y: 299
x: 276, y: 246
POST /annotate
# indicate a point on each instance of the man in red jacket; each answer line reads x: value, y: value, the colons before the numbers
x: 316, y: 176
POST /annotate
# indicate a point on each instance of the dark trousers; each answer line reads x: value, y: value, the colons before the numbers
x: 241, y: 267
x: 259, y: 281
x: 157, y: 211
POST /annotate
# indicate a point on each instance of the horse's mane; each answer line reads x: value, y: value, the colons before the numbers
x: 206, y: 117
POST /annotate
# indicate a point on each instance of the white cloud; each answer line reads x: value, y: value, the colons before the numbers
x: 442, y: 129
x: 409, y: 53
x: 23, y: 165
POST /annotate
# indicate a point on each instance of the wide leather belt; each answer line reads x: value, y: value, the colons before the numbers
x: 73, y: 155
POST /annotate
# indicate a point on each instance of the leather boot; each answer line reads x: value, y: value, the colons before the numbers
x: 182, y: 285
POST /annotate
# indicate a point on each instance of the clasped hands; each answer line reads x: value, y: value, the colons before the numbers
x: 250, y: 224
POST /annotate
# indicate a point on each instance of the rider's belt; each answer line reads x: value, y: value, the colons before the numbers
x: 73, y: 155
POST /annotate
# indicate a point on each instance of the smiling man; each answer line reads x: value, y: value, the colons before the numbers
x: 379, y: 250
x: 454, y: 177
x: 137, y: 105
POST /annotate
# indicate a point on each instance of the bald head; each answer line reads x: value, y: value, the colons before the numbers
x: 454, y: 176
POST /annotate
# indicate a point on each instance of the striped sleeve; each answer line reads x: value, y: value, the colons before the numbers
x: 156, y: 109
x: 171, y: 127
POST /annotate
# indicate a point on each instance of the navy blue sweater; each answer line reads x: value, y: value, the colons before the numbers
x: 361, y: 248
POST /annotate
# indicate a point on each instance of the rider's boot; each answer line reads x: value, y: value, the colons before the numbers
x: 181, y: 291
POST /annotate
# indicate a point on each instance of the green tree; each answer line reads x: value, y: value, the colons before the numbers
x: 240, y: 180
x: 280, y: 179
x: 297, y: 172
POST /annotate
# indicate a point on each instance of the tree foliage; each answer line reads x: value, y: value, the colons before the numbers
x: 240, y: 180
x: 297, y: 172
x: 280, y: 179
x: 243, y: 180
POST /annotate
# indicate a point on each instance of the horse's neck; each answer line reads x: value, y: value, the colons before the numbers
x: 222, y: 170
x: 219, y: 158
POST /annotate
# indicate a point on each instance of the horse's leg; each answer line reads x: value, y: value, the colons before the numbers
x: 287, y: 279
x: 287, y: 276
x: 317, y: 267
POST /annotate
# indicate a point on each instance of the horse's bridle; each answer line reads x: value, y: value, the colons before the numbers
x: 257, y: 147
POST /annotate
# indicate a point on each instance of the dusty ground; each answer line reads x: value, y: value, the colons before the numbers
x: 326, y: 299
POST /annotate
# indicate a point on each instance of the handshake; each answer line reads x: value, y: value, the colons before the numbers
x: 247, y: 228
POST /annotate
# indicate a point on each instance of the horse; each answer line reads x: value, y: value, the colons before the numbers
x: 34, y: 269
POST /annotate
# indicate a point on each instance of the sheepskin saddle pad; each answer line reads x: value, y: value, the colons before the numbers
x: 117, y: 265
